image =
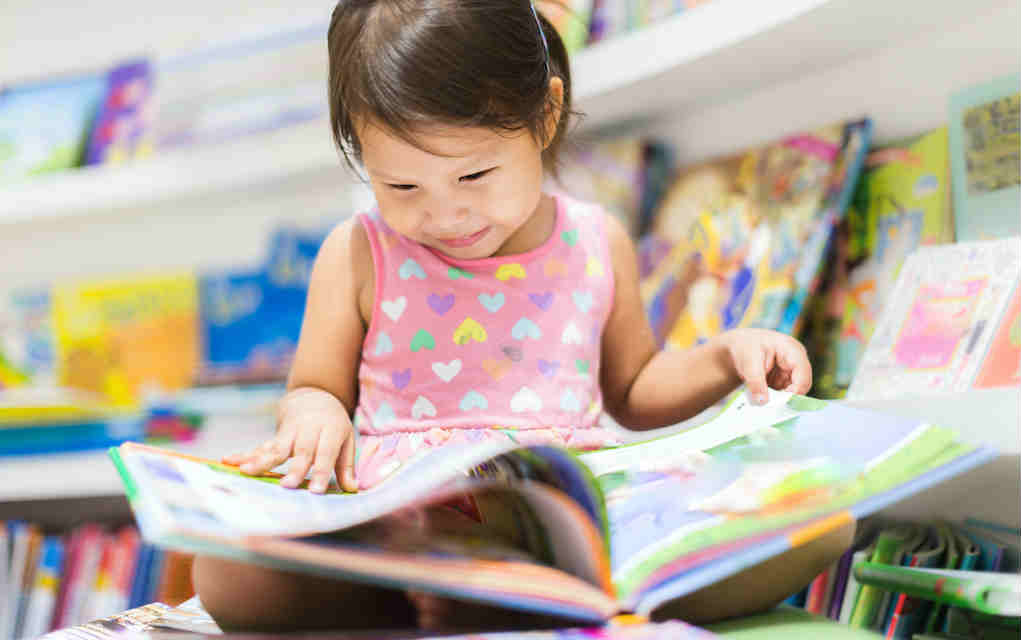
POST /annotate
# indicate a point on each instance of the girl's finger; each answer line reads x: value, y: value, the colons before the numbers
x: 345, y: 468
x: 305, y: 445
x: 752, y: 370
x: 269, y: 455
x: 326, y: 454
x: 795, y: 361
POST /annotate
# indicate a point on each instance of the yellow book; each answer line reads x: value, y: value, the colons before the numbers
x: 120, y: 337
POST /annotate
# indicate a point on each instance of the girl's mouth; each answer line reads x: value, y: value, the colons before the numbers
x: 465, y: 241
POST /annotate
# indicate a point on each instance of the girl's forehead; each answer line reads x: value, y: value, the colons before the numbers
x: 436, y: 141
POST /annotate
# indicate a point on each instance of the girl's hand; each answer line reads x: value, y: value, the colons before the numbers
x: 315, y: 433
x: 768, y: 360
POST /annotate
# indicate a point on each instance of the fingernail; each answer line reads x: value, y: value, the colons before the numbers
x: 289, y: 482
x: 351, y: 482
x: 317, y: 486
x: 761, y: 398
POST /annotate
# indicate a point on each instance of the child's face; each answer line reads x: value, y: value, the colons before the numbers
x: 462, y: 191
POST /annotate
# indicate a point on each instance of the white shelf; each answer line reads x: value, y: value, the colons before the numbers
x: 92, y: 474
x: 710, y: 54
x: 259, y: 161
x: 729, y: 48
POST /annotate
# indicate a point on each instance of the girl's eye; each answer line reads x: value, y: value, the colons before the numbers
x: 401, y: 187
x: 475, y: 176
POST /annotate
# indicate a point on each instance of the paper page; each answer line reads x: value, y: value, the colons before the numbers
x: 190, y: 497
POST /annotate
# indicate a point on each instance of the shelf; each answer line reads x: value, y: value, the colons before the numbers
x: 257, y: 161
x: 729, y: 48
x: 706, y: 55
x: 92, y: 474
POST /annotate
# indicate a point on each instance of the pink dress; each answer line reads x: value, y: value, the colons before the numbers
x: 505, y: 347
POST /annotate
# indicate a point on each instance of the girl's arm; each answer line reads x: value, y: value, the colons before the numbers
x: 314, y: 418
x: 644, y: 388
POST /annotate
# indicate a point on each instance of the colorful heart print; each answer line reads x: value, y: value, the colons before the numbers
x: 492, y: 302
x: 423, y: 340
x: 469, y: 330
x: 513, y: 270
x: 440, y: 304
x: 411, y: 269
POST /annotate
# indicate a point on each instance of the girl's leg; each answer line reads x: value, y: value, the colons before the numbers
x: 763, y: 586
x: 243, y: 596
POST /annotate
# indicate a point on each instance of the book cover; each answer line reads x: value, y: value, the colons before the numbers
x: 123, y: 127
x: 741, y: 232
x: 985, y: 151
x: 939, y: 320
x: 120, y: 337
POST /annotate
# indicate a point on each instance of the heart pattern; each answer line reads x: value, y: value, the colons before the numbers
x: 492, y: 302
x: 473, y: 400
x: 526, y: 400
x: 423, y: 408
x: 411, y: 269
x: 582, y: 300
x: 571, y: 334
x: 423, y: 340
x: 384, y: 344
x: 469, y: 330
x: 394, y: 309
x: 400, y: 378
x: 534, y: 328
x: 525, y: 328
x: 542, y: 300
x: 513, y: 270
x: 440, y: 304
x: 496, y: 368
x: 447, y: 371
x: 547, y: 368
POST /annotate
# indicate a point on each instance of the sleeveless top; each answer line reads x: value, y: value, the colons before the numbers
x: 502, y: 347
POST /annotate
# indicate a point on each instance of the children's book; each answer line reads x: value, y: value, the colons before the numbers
x: 985, y: 151
x: 121, y: 337
x: 940, y: 318
x: 123, y: 127
x: 584, y: 536
x: 26, y: 339
x: 984, y: 591
x: 902, y: 202
x: 747, y: 235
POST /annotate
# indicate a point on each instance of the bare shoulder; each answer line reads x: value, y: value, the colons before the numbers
x: 622, y: 247
x: 345, y: 261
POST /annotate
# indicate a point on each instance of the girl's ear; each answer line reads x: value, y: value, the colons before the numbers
x: 555, y: 106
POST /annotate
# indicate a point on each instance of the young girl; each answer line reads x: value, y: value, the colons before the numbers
x: 470, y: 304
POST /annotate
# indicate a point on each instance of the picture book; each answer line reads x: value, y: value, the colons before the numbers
x: 985, y: 151
x: 584, y: 536
x: 747, y: 235
x: 902, y: 202
x: 120, y: 337
x: 123, y: 127
x: 26, y: 339
x: 940, y: 319
x: 44, y: 125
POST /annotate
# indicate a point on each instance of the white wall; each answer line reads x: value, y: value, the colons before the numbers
x: 904, y: 88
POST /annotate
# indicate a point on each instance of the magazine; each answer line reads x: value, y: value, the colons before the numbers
x: 582, y: 535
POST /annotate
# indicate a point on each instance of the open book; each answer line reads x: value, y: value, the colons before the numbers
x: 585, y: 536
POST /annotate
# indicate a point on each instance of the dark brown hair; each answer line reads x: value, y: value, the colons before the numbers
x: 408, y: 63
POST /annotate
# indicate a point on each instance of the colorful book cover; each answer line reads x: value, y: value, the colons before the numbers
x: 939, y: 320
x: 122, y: 337
x: 985, y: 148
x: 123, y: 128
x: 44, y: 126
x: 26, y: 339
x: 738, y: 229
x: 901, y: 203
x: 570, y: 18
x: 1002, y: 364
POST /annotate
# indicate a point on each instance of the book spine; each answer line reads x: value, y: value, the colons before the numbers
x: 43, y: 595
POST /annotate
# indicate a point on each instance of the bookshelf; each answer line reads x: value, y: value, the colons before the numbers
x: 697, y: 58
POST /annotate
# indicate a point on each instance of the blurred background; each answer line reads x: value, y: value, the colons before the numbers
x: 167, y: 174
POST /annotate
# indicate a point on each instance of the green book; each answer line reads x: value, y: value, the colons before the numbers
x: 983, y: 591
x: 889, y: 550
